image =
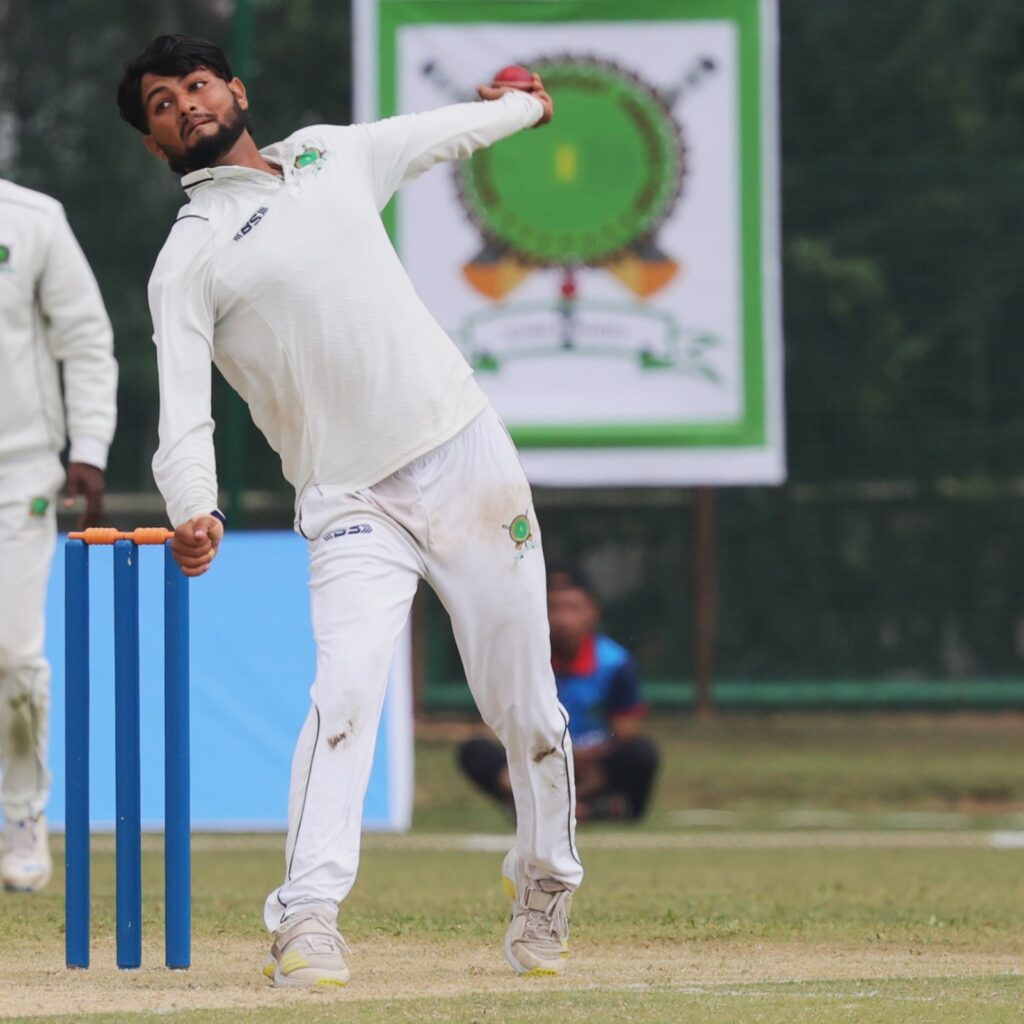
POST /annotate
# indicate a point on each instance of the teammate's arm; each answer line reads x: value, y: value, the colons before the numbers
x: 182, y: 304
x: 79, y: 336
x: 404, y: 147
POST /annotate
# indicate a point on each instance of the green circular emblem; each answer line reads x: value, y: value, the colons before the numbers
x: 603, y: 175
x: 5, y: 253
x: 307, y: 157
x: 520, y: 530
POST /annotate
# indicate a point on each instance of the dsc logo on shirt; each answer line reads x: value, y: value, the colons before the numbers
x: 348, y: 531
x: 251, y: 223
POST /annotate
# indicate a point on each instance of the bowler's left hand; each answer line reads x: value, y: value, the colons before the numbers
x: 535, y: 88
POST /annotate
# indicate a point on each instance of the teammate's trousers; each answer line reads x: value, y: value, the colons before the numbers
x: 461, y: 517
x: 28, y: 530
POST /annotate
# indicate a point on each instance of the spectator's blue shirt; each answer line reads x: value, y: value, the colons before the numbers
x: 599, y: 682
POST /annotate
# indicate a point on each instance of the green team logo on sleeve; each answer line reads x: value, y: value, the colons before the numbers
x: 37, y: 507
x: 5, y: 256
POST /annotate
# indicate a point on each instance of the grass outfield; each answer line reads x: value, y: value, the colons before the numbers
x: 752, y: 771
x: 675, y: 923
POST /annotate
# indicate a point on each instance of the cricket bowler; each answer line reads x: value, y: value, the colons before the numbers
x: 278, y: 269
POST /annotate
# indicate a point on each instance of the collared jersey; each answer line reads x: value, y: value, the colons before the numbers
x: 51, y: 313
x: 292, y: 287
x: 600, y: 682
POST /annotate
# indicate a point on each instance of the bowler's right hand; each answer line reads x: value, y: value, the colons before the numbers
x: 195, y: 544
x: 535, y: 87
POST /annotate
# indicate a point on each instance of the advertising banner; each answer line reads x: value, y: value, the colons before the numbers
x: 253, y: 660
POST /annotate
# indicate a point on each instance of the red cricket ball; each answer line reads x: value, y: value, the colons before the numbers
x: 514, y: 74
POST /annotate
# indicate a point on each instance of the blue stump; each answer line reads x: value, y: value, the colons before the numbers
x: 127, y: 760
x: 76, y: 753
x: 177, y: 851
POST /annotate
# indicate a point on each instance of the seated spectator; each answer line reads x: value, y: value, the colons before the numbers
x: 599, y: 689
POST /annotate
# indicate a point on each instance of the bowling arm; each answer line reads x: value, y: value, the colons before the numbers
x: 403, y: 147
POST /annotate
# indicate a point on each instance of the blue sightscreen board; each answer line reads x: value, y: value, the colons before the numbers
x: 252, y: 663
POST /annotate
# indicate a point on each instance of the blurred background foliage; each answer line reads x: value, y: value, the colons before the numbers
x: 895, y: 550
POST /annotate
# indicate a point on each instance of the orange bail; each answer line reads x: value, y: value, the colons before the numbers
x: 107, y: 535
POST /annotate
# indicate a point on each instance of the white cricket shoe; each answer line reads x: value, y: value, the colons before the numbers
x: 26, y: 865
x: 537, y: 940
x: 308, y: 952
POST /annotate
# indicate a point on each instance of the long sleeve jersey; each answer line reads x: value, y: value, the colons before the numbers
x: 51, y: 318
x: 291, y: 286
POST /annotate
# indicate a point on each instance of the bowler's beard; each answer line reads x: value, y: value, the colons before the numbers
x: 210, y: 148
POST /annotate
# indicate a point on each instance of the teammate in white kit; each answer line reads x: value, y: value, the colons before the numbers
x: 280, y: 271
x: 51, y: 320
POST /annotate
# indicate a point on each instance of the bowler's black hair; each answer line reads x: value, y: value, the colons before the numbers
x: 176, y: 55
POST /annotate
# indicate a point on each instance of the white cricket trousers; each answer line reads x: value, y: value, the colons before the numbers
x: 27, y: 538
x: 461, y: 517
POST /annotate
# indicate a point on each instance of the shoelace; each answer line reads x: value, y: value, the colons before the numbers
x: 327, y: 940
x: 552, y: 922
x: 323, y: 943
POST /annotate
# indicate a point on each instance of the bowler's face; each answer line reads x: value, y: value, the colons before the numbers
x: 186, y: 114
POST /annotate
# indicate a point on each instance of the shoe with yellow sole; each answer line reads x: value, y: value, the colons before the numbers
x: 308, y: 952
x: 537, y: 940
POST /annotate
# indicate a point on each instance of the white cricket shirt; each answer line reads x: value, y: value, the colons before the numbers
x: 293, y: 289
x: 51, y: 317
